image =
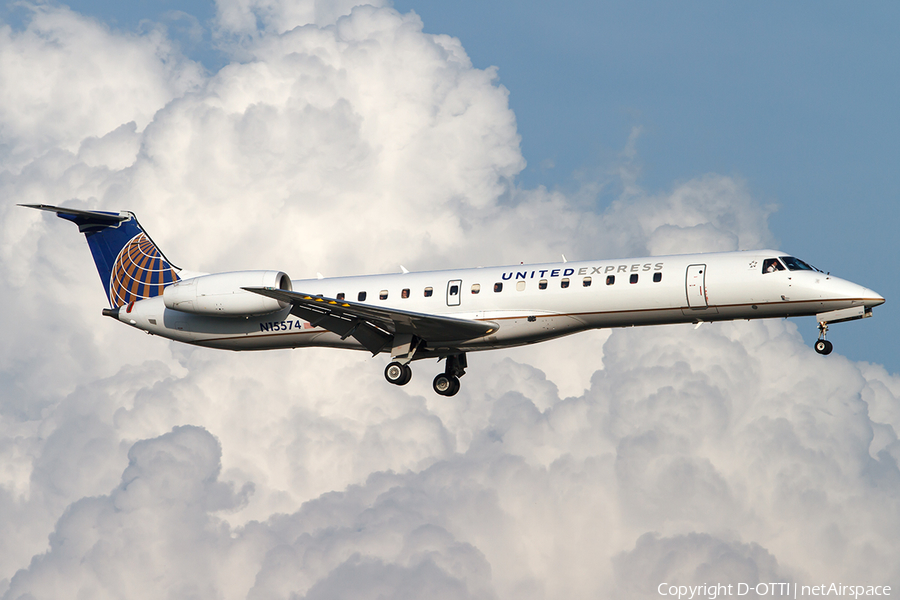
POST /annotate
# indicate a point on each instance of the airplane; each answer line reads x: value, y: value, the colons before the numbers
x: 446, y: 314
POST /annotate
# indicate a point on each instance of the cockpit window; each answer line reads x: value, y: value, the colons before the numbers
x: 770, y: 265
x: 795, y: 264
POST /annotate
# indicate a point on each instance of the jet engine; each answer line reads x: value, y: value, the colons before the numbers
x: 221, y: 295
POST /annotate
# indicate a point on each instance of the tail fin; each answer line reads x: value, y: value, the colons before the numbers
x: 131, y: 266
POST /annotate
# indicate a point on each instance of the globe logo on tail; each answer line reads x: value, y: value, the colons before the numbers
x: 140, y: 271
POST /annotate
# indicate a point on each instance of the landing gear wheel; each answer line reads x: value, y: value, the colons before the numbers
x: 446, y: 385
x: 398, y: 374
x: 441, y: 384
x: 824, y: 347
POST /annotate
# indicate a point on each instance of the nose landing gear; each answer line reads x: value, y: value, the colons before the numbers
x: 841, y: 315
x: 823, y: 346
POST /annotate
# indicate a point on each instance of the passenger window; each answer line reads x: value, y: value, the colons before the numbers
x: 634, y: 278
x: 428, y: 292
x: 404, y: 293
x: 361, y: 297
x: 498, y: 287
x: 564, y: 283
x: 520, y: 285
x: 476, y: 287
x: 542, y: 284
x: 454, y: 289
x: 770, y: 265
x: 610, y: 279
x: 340, y: 296
x: 657, y: 277
x: 586, y: 282
x: 383, y: 295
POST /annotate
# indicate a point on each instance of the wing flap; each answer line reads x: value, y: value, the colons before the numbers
x: 377, y: 324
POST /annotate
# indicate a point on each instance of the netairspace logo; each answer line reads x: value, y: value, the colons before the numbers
x: 719, y: 590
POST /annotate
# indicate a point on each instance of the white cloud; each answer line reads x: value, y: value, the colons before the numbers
x: 699, y: 558
x: 152, y: 534
x: 251, y: 18
x: 346, y: 140
x: 65, y: 78
x: 684, y: 462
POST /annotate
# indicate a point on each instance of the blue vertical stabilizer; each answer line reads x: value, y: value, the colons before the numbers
x: 131, y: 266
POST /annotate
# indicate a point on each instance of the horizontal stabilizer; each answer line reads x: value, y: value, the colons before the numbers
x: 85, y: 219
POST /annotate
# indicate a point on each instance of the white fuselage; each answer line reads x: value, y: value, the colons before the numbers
x: 531, y: 303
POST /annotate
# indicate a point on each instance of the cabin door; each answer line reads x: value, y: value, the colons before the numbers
x: 453, y: 292
x: 695, y: 285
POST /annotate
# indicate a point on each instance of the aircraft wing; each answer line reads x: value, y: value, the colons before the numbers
x: 374, y: 326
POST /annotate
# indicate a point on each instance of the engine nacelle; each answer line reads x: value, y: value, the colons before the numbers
x: 221, y: 294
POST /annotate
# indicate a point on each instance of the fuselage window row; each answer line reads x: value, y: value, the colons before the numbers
x: 543, y: 284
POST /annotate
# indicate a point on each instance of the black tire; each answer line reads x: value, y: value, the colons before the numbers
x: 443, y: 384
x: 396, y: 373
x: 824, y: 347
x: 454, y: 386
x: 407, y: 375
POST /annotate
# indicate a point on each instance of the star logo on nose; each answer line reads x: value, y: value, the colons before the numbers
x: 753, y: 264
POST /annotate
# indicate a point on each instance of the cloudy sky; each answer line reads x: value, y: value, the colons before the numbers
x: 313, y: 136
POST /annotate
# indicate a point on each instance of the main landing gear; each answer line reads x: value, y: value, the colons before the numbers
x: 398, y: 374
x: 823, y: 346
x: 445, y: 384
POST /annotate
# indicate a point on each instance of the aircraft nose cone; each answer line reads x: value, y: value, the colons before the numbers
x: 858, y: 294
x: 871, y: 298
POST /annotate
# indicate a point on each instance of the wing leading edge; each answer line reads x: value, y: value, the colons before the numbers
x: 375, y: 327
